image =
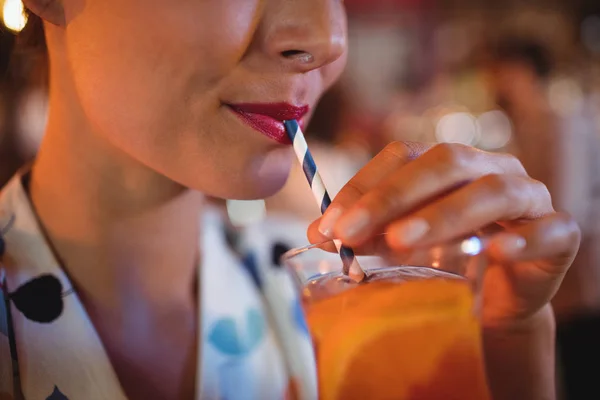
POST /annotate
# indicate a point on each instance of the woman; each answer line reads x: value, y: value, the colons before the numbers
x: 153, y: 103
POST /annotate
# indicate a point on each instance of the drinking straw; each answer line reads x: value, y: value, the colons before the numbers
x: 351, y: 267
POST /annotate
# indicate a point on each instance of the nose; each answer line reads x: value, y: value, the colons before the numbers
x: 303, y: 35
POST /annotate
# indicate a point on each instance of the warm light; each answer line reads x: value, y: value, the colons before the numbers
x: 458, y: 127
x: 496, y: 130
x: 13, y: 15
x: 472, y: 246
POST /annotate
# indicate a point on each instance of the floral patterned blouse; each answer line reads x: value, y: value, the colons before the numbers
x: 49, y: 348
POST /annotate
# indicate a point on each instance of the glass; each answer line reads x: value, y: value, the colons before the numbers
x: 411, y: 331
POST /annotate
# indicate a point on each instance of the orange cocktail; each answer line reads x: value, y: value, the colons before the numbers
x: 410, y: 332
x: 411, y: 340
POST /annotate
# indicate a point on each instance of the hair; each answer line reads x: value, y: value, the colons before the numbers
x: 526, y: 51
x: 30, y: 54
x: 33, y: 34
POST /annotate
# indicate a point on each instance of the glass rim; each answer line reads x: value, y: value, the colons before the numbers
x: 471, y: 245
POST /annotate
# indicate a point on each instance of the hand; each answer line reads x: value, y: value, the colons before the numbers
x: 424, y: 195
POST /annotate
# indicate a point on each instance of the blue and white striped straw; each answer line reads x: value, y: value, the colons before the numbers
x: 350, y: 263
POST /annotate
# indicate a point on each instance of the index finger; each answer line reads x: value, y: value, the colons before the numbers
x: 390, y: 158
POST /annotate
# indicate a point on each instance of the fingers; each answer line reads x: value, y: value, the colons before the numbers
x: 487, y: 200
x: 375, y: 246
x: 441, y: 170
x: 390, y: 159
x: 313, y: 233
x: 554, y: 237
x: 393, y: 157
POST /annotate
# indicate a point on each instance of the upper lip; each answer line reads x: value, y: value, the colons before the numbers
x: 278, y: 111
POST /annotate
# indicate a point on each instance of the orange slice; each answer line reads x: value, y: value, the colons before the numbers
x: 417, y: 340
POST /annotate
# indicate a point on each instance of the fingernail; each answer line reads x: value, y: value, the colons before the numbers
x: 329, y: 220
x: 354, y: 223
x: 511, y: 244
x: 410, y: 232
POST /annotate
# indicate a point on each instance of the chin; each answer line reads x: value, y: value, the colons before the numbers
x: 263, y: 178
x: 261, y: 187
x: 269, y: 174
x: 250, y: 189
x: 258, y: 193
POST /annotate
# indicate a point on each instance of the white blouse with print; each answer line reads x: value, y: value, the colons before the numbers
x: 49, y: 349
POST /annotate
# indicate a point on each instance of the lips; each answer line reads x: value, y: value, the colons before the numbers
x: 267, y: 118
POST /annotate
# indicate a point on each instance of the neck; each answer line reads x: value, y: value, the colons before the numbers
x: 119, y: 228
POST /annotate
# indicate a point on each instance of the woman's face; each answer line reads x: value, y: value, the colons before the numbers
x: 196, y: 89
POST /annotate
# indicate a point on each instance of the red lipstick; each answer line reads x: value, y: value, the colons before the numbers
x: 267, y: 118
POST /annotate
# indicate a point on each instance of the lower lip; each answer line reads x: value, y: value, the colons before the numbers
x: 268, y: 126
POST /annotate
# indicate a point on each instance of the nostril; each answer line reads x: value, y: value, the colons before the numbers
x: 291, y: 53
x: 298, y: 56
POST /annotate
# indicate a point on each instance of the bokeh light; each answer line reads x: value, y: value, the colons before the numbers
x: 13, y: 15
x: 458, y: 127
x: 496, y: 130
x: 471, y: 246
x: 244, y: 213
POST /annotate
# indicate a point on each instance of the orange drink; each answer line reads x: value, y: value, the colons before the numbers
x: 414, y: 340
x: 407, y: 333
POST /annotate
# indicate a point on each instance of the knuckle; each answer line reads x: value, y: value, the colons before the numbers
x: 397, y: 149
x: 565, y: 219
x: 453, y: 154
x: 385, y: 200
x: 540, y: 195
x: 501, y: 185
x: 513, y: 163
x: 509, y: 190
x: 543, y: 190
x: 569, y: 224
x: 560, y: 235
x: 406, y: 150
x: 523, y: 197
x: 354, y: 189
x: 415, y: 149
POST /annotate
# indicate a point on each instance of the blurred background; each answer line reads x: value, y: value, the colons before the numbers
x: 509, y: 76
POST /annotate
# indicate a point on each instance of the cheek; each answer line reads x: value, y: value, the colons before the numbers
x: 144, y: 69
x: 153, y: 92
